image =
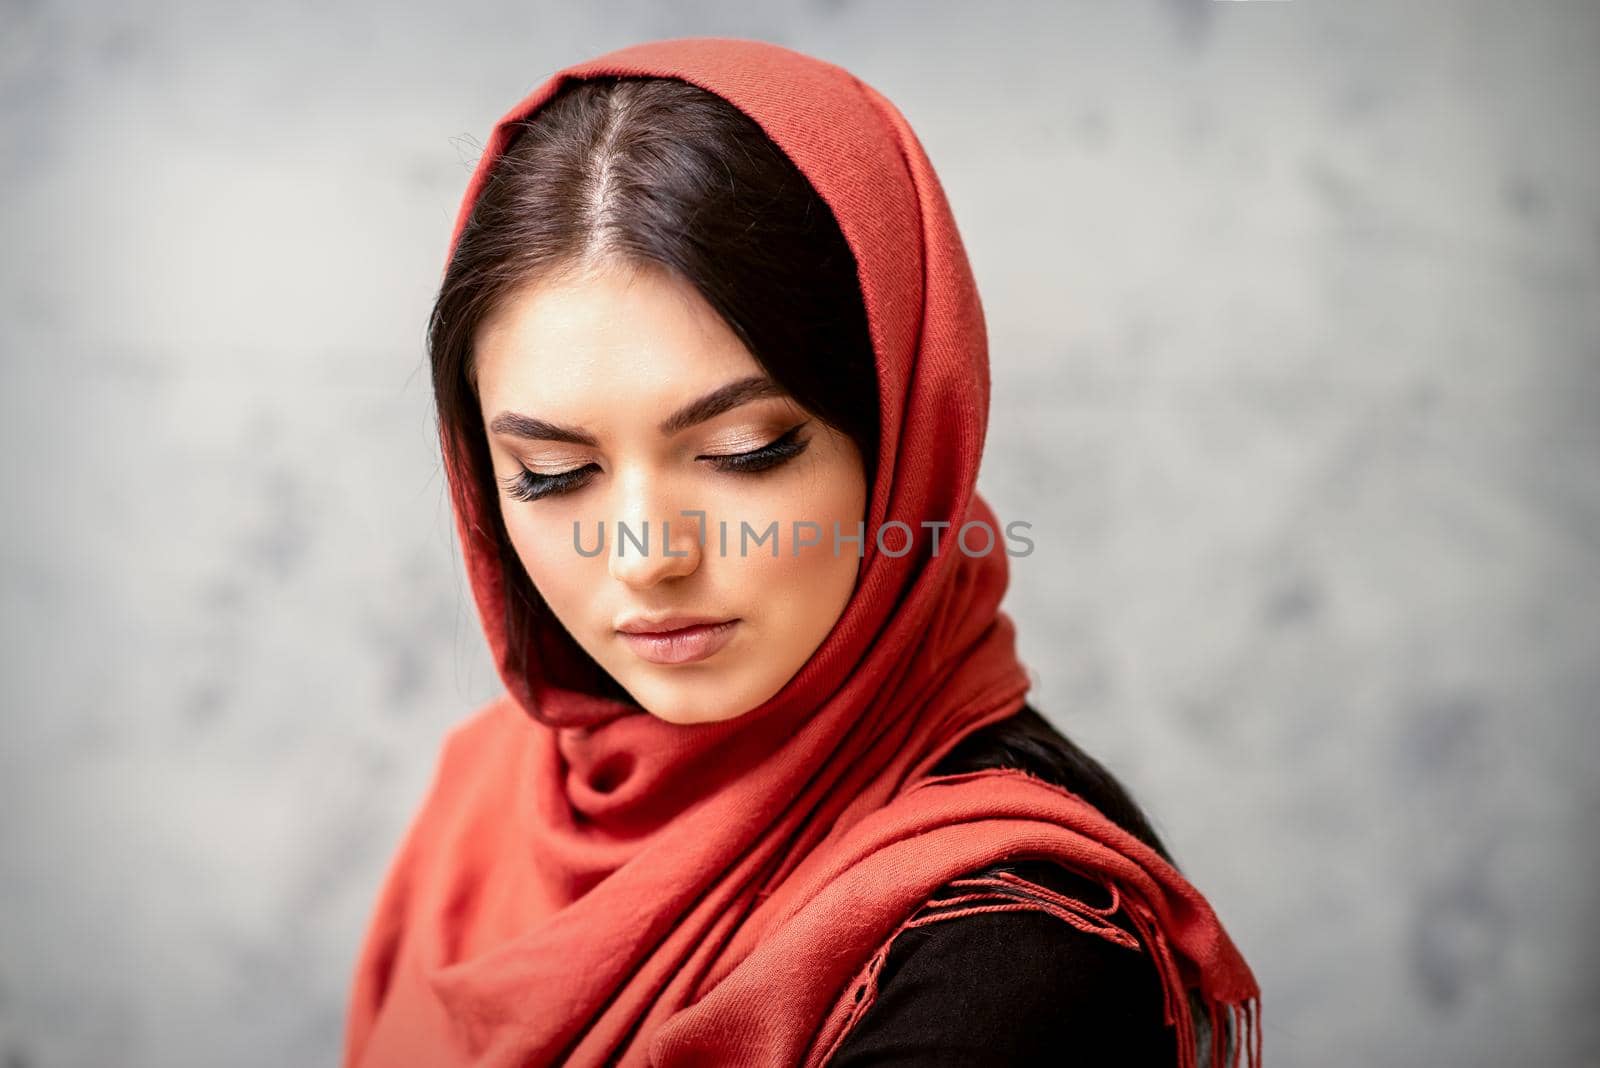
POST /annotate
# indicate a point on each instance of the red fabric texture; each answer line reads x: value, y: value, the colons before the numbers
x: 586, y: 884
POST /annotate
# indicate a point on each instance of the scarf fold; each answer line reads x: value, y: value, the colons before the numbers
x: 586, y: 884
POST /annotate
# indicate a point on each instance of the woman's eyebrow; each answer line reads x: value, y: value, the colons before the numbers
x: 722, y: 399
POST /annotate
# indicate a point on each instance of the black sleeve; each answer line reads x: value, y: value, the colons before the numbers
x: 1014, y: 988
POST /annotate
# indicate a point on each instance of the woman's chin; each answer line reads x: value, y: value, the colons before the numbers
x: 705, y: 700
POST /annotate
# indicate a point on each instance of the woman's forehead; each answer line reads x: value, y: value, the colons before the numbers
x: 631, y: 334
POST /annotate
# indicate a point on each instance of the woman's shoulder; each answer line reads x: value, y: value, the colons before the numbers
x: 1024, y: 739
x: 1018, y: 986
x: 1013, y: 988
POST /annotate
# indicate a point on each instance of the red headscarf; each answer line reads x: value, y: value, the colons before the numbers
x: 588, y: 884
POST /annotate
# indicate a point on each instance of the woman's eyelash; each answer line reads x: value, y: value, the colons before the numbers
x: 785, y: 447
x: 529, y: 486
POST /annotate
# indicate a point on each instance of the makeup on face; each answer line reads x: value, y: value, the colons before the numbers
x: 686, y: 644
x: 622, y: 398
x: 528, y: 484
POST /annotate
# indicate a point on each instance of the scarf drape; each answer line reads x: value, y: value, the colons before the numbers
x: 587, y: 884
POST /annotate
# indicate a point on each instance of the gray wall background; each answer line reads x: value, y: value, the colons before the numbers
x: 1296, y: 361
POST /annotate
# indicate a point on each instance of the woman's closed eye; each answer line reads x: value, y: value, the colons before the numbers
x: 529, y: 485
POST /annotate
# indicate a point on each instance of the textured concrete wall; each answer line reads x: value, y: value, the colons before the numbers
x: 1296, y: 360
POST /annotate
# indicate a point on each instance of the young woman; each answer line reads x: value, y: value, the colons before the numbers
x: 764, y: 787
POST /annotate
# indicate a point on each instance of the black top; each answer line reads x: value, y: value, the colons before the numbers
x: 1012, y: 988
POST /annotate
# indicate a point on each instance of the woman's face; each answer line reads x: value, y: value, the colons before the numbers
x: 606, y: 400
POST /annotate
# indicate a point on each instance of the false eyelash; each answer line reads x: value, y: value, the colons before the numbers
x: 785, y: 447
x: 530, y: 486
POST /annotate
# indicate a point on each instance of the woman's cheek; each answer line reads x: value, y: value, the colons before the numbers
x: 804, y: 518
x: 546, y: 547
x: 756, y: 519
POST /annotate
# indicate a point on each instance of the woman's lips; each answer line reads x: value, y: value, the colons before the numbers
x: 681, y: 646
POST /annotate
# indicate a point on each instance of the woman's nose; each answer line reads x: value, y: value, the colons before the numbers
x: 651, y: 545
